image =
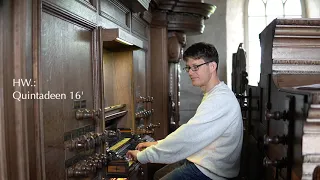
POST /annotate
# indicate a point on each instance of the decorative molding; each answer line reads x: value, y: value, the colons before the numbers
x: 183, y: 15
x: 113, y: 17
x: 296, y: 62
x: 137, y: 5
x: 185, y: 22
x: 298, y: 50
x: 299, y: 21
x: 139, y: 26
x: 310, y: 149
x: 147, y: 16
x: 87, y: 4
x: 119, y: 5
x: 196, y: 8
x: 123, y: 25
x: 291, y: 51
x: 159, y: 18
x: 296, y: 69
x: 58, y: 11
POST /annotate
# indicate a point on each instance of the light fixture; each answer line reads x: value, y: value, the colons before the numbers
x: 123, y: 41
x: 118, y: 40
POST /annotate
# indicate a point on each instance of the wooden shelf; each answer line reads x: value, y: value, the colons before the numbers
x: 117, y: 40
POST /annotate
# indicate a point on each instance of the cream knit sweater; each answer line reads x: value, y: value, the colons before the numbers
x: 211, y: 139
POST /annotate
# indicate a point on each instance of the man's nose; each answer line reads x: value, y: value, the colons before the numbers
x: 190, y: 72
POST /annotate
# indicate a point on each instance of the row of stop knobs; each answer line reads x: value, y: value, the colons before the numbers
x: 275, y: 140
x: 89, y: 166
x: 144, y: 113
x: 142, y: 99
x: 277, y: 115
x: 91, y: 140
x: 282, y: 163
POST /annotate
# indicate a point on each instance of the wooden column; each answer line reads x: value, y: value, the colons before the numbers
x: 159, y: 79
x: 3, y: 151
x: 17, y: 122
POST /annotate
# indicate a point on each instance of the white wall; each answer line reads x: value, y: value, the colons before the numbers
x: 235, y: 30
x: 312, y: 8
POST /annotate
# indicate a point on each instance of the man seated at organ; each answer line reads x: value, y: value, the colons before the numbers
x: 208, y: 146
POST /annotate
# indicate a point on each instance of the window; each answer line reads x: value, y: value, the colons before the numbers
x: 260, y: 14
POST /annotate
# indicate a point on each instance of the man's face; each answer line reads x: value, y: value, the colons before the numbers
x: 202, y: 76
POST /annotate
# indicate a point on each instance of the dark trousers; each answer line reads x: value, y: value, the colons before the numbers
x: 181, y: 170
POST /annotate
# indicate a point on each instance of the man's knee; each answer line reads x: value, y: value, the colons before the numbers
x: 167, y: 169
x: 161, y: 172
x: 156, y: 175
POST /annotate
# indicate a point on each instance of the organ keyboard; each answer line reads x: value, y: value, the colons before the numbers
x: 119, y: 166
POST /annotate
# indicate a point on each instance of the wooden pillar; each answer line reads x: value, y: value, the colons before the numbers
x: 17, y: 117
x: 159, y: 79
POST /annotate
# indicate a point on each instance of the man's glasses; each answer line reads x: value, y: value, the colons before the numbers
x: 195, y: 67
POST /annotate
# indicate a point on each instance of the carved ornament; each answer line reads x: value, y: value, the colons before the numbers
x: 136, y: 5
x: 182, y: 15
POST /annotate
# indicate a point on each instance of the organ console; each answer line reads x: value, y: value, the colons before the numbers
x: 81, y: 114
x: 120, y: 166
x: 117, y: 141
x: 99, y: 150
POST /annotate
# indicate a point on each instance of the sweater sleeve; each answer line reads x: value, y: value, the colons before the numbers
x: 209, y: 122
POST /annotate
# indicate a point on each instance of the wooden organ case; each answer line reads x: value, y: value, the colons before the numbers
x: 94, y: 53
x: 125, y: 117
x: 281, y: 114
x: 99, y: 55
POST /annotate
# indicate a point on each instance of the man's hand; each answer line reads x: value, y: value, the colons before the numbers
x: 144, y: 145
x: 132, y: 154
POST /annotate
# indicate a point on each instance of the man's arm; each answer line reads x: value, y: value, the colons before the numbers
x: 144, y: 145
x: 132, y: 154
x: 211, y: 120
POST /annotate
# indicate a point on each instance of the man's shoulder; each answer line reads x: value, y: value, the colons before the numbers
x: 224, y: 92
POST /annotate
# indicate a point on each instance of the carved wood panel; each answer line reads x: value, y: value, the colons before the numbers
x: 139, y: 27
x: 65, y: 68
x: 116, y: 12
x: 139, y: 79
x: 80, y: 8
x: 118, y: 83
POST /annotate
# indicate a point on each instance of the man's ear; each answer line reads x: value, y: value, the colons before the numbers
x: 214, y: 66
